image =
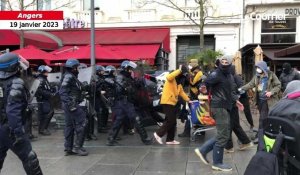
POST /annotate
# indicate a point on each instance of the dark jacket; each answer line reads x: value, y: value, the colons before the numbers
x: 71, y: 90
x: 286, y: 78
x: 15, y: 101
x: 221, y: 87
x: 44, y: 91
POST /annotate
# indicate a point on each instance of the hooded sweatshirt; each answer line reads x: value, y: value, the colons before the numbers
x: 263, y: 81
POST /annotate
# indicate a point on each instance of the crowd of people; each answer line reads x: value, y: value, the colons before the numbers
x: 117, y: 91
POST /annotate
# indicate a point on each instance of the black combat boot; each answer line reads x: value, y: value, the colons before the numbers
x: 32, y: 166
x: 142, y: 132
x: 47, y: 123
x: 78, y: 148
x: 113, y: 136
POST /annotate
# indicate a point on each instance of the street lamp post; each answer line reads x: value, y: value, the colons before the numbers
x: 93, y: 37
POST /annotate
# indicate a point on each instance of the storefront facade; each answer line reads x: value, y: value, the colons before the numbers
x: 273, y: 26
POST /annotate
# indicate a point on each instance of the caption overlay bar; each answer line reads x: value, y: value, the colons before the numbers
x: 31, y: 20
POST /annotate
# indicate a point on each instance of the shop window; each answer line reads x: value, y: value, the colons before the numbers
x: 278, y: 38
x: 278, y: 31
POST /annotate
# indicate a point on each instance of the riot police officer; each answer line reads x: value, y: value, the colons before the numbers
x: 13, y: 103
x: 123, y: 105
x: 108, y: 89
x: 71, y: 94
x: 96, y: 100
x: 43, y: 95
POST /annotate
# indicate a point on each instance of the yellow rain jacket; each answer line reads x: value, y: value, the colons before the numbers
x: 171, y: 90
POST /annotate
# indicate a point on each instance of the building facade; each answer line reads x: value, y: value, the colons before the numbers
x: 271, y: 22
x: 222, y: 24
x: 275, y: 26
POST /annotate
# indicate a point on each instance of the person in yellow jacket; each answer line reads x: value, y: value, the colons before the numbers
x: 194, y: 91
x: 195, y: 82
x: 171, y: 91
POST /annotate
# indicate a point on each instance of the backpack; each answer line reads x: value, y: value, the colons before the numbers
x: 265, y: 161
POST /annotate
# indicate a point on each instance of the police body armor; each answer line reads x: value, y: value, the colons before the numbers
x: 44, y: 91
x: 74, y: 86
x: 109, y: 86
x: 125, y: 86
x: 4, y: 89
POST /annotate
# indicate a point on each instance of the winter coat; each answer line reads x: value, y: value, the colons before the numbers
x: 195, y: 82
x: 274, y: 86
x: 172, y: 90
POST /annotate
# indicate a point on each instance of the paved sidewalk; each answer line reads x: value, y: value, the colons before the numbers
x: 133, y: 158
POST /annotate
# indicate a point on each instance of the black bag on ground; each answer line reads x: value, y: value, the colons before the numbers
x: 263, y: 162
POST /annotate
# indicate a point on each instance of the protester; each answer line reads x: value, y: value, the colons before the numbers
x: 235, y: 120
x: 220, y: 84
x: 266, y: 88
x: 173, y: 88
x: 288, y: 74
x: 194, y: 83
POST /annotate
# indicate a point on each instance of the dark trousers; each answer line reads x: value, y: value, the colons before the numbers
x: 236, y: 128
x: 22, y: 149
x: 124, y: 109
x: 247, y: 111
x: 169, y: 125
x: 263, y: 111
x: 28, y: 122
x: 45, y: 114
x: 75, y: 123
x: 102, y: 114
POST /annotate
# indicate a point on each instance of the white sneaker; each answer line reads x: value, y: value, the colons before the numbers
x: 174, y: 142
x: 157, y: 138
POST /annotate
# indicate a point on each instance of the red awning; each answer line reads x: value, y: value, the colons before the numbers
x: 83, y: 54
x: 40, y: 41
x: 9, y: 38
x: 35, y: 55
x: 145, y: 52
x: 127, y: 36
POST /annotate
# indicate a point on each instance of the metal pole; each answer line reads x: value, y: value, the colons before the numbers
x: 92, y: 37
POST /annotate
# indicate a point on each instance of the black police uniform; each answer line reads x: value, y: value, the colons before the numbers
x: 123, y: 107
x: 100, y: 106
x: 75, y: 116
x: 45, y: 110
x: 13, y: 103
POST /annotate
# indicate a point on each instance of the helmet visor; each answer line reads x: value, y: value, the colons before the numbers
x: 48, y: 69
x: 132, y: 64
x: 24, y: 64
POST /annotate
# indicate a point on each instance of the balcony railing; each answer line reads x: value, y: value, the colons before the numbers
x: 141, y: 15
